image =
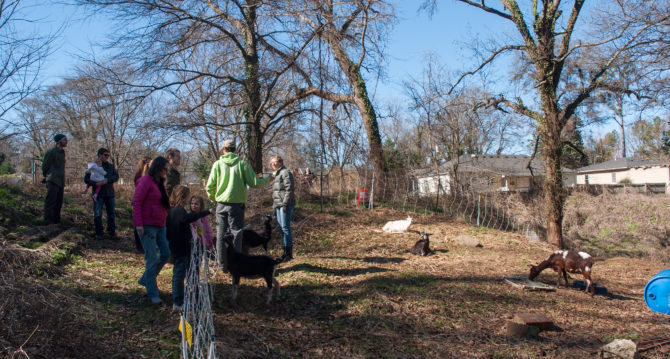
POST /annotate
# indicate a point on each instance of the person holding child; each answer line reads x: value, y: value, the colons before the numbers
x: 180, y: 237
x: 150, y: 209
x: 105, y: 189
x: 97, y: 175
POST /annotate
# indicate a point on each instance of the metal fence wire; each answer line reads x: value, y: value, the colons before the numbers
x: 401, y: 191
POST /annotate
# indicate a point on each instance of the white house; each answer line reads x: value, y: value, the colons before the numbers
x: 625, y: 170
x: 486, y: 173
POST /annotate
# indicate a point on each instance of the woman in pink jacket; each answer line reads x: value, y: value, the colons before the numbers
x: 150, y: 208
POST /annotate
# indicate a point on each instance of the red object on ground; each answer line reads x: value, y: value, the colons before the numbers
x: 362, y: 196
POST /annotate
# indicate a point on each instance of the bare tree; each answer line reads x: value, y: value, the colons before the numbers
x: 354, y: 34
x: 545, y: 41
x: 21, y: 57
x: 455, y: 122
x: 251, y: 48
x: 94, y: 112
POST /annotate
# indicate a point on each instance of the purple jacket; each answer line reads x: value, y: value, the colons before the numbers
x: 147, y: 207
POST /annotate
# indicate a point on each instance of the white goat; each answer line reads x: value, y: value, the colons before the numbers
x: 399, y: 226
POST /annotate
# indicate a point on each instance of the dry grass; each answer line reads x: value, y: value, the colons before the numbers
x: 351, y: 292
x: 624, y: 224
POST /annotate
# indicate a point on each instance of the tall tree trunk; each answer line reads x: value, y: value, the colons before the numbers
x: 367, y: 111
x: 252, y: 114
x: 554, y: 194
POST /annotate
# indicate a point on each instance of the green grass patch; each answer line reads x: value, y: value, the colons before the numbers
x: 341, y: 213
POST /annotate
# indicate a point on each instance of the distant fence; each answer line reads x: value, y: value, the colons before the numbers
x: 507, y: 211
x: 650, y: 189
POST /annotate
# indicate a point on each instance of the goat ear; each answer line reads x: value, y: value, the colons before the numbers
x: 530, y: 265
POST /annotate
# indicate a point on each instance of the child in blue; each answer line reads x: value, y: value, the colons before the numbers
x: 180, y: 237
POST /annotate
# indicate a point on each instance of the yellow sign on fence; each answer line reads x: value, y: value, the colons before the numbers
x: 188, y: 333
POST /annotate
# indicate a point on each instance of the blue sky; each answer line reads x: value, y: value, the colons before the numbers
x: 414, y: 36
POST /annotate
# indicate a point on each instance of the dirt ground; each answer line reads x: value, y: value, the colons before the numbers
x: 351, y: 292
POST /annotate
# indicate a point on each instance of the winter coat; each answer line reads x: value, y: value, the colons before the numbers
x: 178, y: 230
x: 282, y: 188
x: 229, y: 179
x: 173, y: 179
x: 112, y: 176
x: 53, y: 166
x: 148, y: 209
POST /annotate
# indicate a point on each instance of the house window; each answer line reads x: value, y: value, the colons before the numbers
x: 613, y: 177
x: 586, y: 179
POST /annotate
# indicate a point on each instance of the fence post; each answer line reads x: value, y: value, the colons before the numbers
x: 479, y: 199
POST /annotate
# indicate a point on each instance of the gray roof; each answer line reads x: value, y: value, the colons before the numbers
x: 620, y: 164
x: 508, y: 165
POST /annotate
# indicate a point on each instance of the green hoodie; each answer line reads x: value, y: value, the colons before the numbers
x: 229, y: 179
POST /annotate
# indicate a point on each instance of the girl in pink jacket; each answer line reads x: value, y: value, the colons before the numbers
x: 150, y: 208
x: 201, y: 228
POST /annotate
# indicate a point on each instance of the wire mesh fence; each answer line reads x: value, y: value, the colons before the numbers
x: 401, y: 191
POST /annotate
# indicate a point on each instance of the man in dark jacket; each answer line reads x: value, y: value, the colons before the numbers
x: 105, y: 196
x: 53, y: 170
x: 173, y: 176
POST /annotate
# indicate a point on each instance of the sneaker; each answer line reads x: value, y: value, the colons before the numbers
x: 176, y: 307
x: 156, y: 301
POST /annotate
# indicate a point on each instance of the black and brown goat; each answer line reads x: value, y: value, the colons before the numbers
x: 251, y: 238
x: 422, y: 246
x: 563, y: 261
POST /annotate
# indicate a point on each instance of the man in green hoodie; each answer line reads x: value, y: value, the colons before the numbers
x: 227, y: 186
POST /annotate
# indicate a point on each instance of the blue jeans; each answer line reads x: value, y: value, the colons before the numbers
x: 179, y: 271
x: 97, y: 215
x: 154, y: 239
x: 284, y: 219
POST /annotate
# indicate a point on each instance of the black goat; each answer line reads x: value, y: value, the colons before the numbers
x: 250, y: 266
x: 422, y: 246
x: 251, y: 238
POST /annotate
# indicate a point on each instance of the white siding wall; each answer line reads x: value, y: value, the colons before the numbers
x: 656, y: 174
x: 428, y: 185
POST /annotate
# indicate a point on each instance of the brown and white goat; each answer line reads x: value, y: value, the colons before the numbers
x: 570, y: 261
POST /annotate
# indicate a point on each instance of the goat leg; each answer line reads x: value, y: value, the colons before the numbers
x: 277, y: 285
x: 565, y: 276
x: 234, y: 294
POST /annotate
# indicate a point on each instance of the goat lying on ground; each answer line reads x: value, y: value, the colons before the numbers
x: 422, y: 246
x: 251, y: 239
x: 399, y: 226
x: 249, y: 266
x: 570, y: 261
